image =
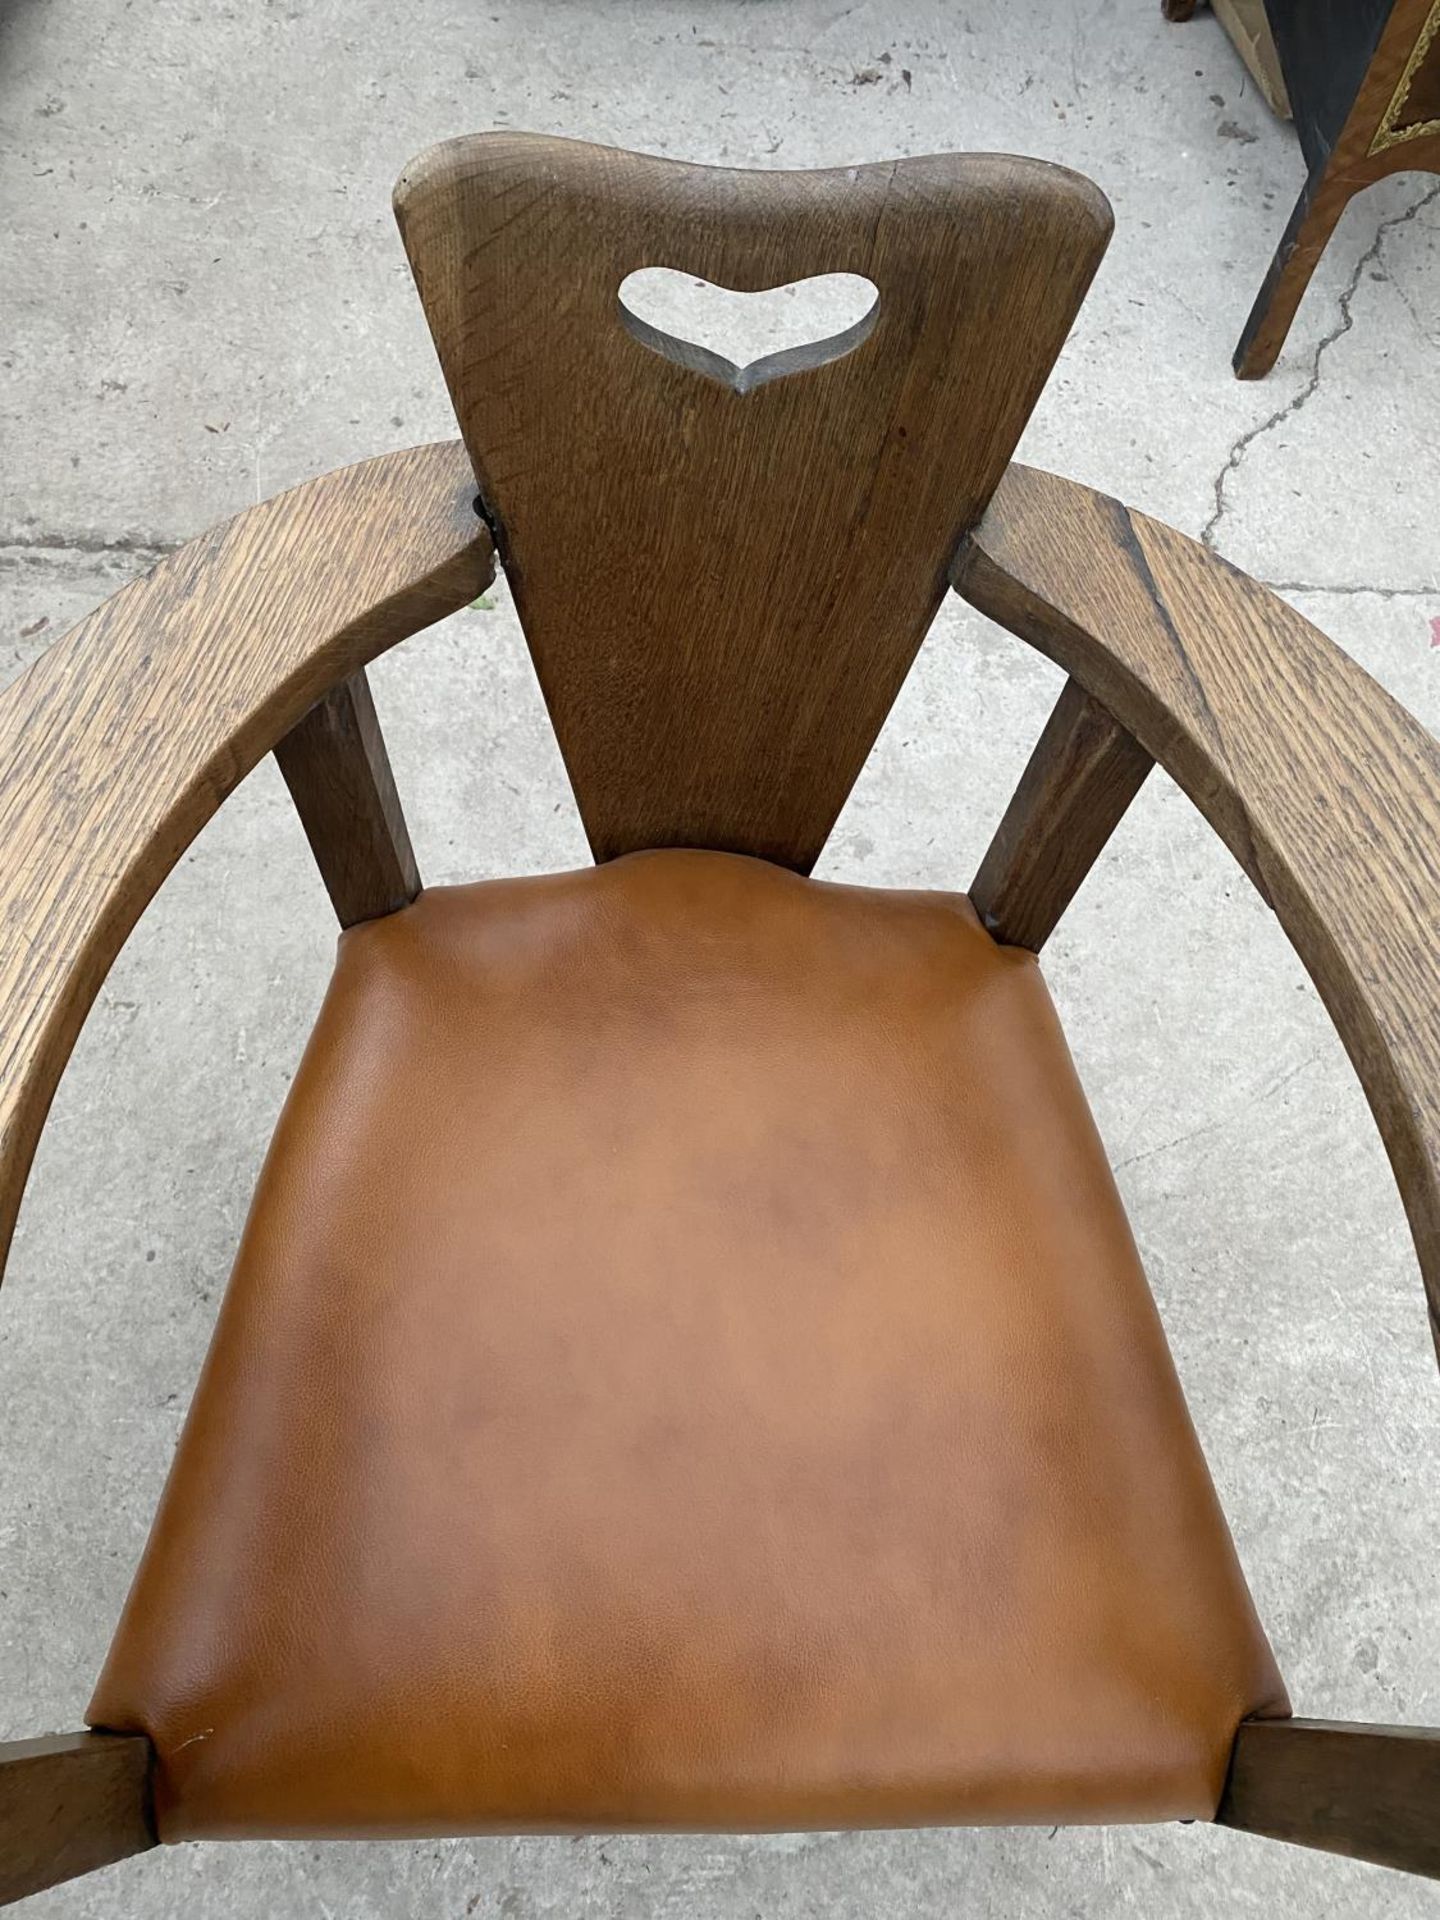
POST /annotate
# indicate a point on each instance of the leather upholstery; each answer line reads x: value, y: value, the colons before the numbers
x: 686, y: 1366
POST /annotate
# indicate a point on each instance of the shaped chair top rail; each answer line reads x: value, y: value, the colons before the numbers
x: 723, y: 589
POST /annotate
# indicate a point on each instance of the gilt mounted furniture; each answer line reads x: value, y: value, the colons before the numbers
x: 1363, y: 81
x: 687, y: 1365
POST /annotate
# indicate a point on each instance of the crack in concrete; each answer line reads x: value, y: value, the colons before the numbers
x: 1346, y: 591
x: 41, y: 548
x: 1293, y: 406
x: 88, y: 546
x: 1218, y: 1122
x: 1430, y: 337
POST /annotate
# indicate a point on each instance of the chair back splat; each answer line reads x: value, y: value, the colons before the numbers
x: 724, y: 577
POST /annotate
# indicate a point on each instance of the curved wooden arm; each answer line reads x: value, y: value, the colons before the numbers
x: 123, y: 739
x: 1324, y: 788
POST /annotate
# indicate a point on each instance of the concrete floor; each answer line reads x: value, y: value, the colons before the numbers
x: 204, y: 301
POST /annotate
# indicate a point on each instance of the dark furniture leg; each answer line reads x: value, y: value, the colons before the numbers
x: 1311, y: 224
x: 1363, y: 78
x: 1370, y: 1792
x: 69, y: 1803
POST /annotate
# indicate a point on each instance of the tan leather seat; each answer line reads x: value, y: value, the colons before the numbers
x: 687, y: 1366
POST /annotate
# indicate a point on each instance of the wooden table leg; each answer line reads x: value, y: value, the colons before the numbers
x: 1364, y: 83
x: 1319, y: 207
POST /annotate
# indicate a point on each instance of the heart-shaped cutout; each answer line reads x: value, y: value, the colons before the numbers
x: 745, y: 339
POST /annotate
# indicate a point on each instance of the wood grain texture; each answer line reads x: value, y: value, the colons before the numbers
x: 1324, y: 788
x: 1083, y: 774
x: 70, y: 1803
x: 338, y: 772
x: 723, y: 591
x: 1370, y: 1792
x: 1360, y: 75
x: 123, y: 739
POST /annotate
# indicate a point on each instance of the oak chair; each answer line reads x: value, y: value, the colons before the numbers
x: 686, y: 1365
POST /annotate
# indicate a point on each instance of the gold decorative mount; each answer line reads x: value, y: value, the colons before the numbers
x: 1390, y: 132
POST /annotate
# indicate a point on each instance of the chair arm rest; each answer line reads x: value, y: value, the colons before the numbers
x: 1323, y: 787
x: 123, y: 739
